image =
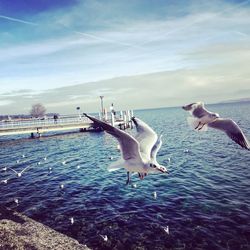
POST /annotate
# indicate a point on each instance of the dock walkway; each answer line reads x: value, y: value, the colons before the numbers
x: 36, y: 127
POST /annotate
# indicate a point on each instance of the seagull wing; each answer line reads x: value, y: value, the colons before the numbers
x: 13, y: 170
x: 156, y: 148
x: 129, y: 146
x: 232, y: 130
x: 25, y: 169
x: 146, y: 136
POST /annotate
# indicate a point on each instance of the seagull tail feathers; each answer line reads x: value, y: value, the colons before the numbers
x: 193, y: 123
x: 115, y: 165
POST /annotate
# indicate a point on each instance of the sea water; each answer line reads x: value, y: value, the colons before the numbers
x: 203, y: 203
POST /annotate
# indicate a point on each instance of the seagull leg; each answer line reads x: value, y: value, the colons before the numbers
x: 142, y: 175
x: 201, y: 126
x: 198, y: 125
x: 128, y: 179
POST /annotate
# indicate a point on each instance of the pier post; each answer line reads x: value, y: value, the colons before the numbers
x: 112, y: 119
x: 105, y: 114
x: 129, y: 119
x: 125, y: 119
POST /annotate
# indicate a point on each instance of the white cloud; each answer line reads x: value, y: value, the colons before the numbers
x: 5, y: 102
x: 205, y: 46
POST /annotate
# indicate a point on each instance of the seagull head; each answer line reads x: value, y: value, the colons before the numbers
x: 216, y: 115
x: 157, y: 168
x: 192, y: 106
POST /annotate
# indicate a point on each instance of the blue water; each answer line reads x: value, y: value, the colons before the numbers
x: 204, y: 200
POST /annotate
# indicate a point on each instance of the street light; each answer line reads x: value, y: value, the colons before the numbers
x: 101, y: 97
x: 78, y: 108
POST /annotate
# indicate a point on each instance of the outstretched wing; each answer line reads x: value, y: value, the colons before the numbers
x: 13, y: 170
x: 156, y: 148
x: 232, y: 130
x: 129, y: 146
x: 25, y: 169
x: 146, y: 137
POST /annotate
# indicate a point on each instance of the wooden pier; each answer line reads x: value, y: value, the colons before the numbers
x: 36, y: 127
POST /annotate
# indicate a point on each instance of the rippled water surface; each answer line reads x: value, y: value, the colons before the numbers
x: 204, y: 201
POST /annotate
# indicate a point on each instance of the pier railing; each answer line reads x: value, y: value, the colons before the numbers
x: 42, y: 122
x: 39, y: 126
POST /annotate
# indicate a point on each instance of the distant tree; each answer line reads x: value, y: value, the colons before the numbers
x: 38, y: 110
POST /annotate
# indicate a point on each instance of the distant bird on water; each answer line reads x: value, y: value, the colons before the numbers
x: 5, y: 181
x: 136, y: 152
x: 19, y: 174
x: 202, y: 119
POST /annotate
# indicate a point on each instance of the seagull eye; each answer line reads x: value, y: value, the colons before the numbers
x: 152, y: 165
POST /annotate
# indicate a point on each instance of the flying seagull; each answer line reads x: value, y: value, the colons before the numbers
x: 19, y: 174
x: 202, y: 119
x: 136, y: 152
x: 148, y: 140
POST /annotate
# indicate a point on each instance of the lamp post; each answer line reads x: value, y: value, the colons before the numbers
x: 101, y: 97
x: 78, y: 109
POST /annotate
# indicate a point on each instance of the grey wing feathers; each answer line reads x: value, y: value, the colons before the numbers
x: 156, y: 147
x: 129, y: 146
x: 232, y: 130
x: 146, y: 137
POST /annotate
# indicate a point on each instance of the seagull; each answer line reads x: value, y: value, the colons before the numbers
x: 166, y: 229
x: 4, y: 181
x: 19, y: 174
x: 155, y: 194
x: 61, y: 186
x: 4, y: 169
x: 202, y: 119
x: 149, y: 142
x: 136, y: 152
x: 72, y: 220
x: 64, y: 162
x: 104, y: 237
x: 16, y: 201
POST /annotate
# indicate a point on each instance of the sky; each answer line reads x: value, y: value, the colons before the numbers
x: 137, y: 54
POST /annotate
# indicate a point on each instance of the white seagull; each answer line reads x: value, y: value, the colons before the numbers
x: 104, y: 237
x: 202, y: 119
x: 4, y: 169
x: 136, y: 152
x: 5, y: 181
x: 19, y: 174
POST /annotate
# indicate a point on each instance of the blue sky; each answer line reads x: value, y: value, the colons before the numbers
x: 181, y: 50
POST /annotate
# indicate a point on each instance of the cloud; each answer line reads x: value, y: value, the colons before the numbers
x: 168, y: 52
x: 5, y: 102
x: 17, y: 20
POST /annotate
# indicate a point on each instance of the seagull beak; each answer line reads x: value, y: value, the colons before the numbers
x: 163, y: 169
